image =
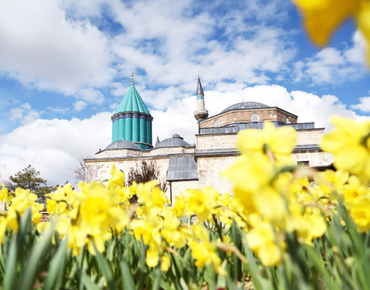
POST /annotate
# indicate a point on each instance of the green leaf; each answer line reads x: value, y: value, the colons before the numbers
x: 128, y: 281
x: 165, y: 285
x: 321, y: 267
x: 157, y: 276
x: 41, y: 247
x: 103, y: 264
x: 11, y: 266
x: 57, y: 267
x: 88, y: 283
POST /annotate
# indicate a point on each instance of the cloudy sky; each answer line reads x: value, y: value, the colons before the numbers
x: 65, y: 65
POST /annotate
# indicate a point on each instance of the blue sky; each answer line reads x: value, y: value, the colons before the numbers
x: 66, y: 64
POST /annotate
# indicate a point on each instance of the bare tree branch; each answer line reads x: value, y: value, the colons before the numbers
x: 144, y: 171
x: 86, y: 172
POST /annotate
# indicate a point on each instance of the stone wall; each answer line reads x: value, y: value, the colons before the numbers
x: 315, y: 158
x: 126, y: 164
x: 118, y: 153
x: 271, y: 114
x: 154, y: 152
x: 171, y: 150
x: 220, y: 141
x: 310, y: 136
x: 209, y: 170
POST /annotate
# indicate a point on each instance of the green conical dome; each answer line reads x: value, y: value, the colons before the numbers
x: 132, y: 120
x: 132, y: 102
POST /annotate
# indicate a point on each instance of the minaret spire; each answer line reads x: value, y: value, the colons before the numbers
x: 132, y: 78
x: 201, y: 113
x: 199, y: 88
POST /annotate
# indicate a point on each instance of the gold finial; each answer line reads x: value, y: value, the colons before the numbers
x: 132, y: 78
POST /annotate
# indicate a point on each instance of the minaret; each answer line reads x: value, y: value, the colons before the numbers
x: 132, y: 120
x: 201, y: 113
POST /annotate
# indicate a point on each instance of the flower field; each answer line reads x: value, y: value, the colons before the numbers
x: 282, y: 227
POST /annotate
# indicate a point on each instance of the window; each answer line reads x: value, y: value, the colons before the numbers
x: 255, y: 118
x: 216, y: 124
x: 287, y: 120
x: 303, y: 163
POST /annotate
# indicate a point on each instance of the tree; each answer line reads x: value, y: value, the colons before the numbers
x: 143, y: 172
x: 29, y: 178
x: 84, y: 172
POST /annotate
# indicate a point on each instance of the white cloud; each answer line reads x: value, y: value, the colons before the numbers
x: 58, y: 110
x: 167, y: 48
x: 364, y: 105
x: 91, y: 96
x: 31, y: 116
x: 331, y: 65
x: 16, y: 113
x: 53, y: 146
x: 19, y: 114
x: 79, y: 105
x: 113, y: 106
x: 41, y: 47
x: 26, y: 106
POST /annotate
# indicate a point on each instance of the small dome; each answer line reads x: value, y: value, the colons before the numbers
x: 123, y: 144
x: 177, y: 136
x: 244, y: 105
x: 175, y: 141
x: 7, y: 184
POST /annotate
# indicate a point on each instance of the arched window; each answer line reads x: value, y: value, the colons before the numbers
x: 255, y: 118
x: 216, y: 124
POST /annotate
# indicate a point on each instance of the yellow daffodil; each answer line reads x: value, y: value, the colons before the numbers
x: 254, y: 187
x: 361, y: 215
x: 117, y: 178
x: 154, y: 252
x: 354, y: 191
x: 3, y: 193
x: 175, y: 233
x: 279, y: 142
x: 322, y: 17
x: 261, y: 240
x: 204, y: 252
x: 199, y: 202
x: 179, y: 207
x: 349, y: 142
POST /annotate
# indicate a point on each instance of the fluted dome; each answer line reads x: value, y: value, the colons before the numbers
x: 132, y: 102
x: 244, y: 105
x: 123, y: 144
x: 175, y: 141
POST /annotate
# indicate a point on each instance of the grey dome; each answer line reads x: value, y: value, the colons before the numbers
x: 175, y: 141
x: 244, y: 105
x: 177, y: 136
x: 123, y: 144
x: 7, y: 184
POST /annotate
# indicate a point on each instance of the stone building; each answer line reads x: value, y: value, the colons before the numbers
x: 186, y: 165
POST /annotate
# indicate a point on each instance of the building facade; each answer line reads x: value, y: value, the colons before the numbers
x: 197, y: 165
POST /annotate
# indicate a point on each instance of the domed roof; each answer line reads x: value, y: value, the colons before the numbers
x: 123, y: 144
x: 175, y: 141
x: 132, y: 102
x: 244, y: 105
x: 7, y: 184
x: 177, y: 136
